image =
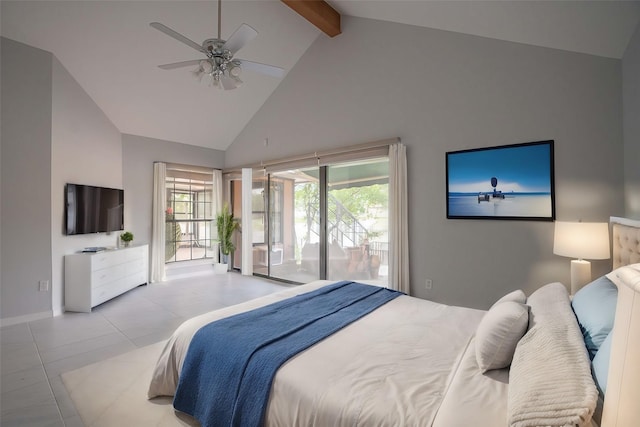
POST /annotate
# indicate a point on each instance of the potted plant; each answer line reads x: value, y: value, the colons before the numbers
x: 126, y: 237
x: 226, y: 224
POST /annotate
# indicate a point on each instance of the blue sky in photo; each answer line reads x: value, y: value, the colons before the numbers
x: 518, y: 169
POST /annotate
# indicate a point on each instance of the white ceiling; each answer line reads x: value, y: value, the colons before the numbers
x: 112, y: 52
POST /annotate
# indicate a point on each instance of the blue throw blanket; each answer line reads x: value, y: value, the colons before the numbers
x: 230, y: 364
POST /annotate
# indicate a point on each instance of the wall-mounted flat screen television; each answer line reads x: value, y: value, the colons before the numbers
x: 92, y: 209
x: 505, y: 182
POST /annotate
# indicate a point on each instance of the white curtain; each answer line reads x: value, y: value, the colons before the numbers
x: 398, y: 219
x: 247, y: 217
x: 216, y: 207
x: 158, y: 222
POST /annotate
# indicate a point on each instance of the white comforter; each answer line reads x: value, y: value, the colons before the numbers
x: 392, y: 367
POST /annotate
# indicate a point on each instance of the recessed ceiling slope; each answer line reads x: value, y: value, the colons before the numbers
x: 113, y: 53
x: 601, y: 28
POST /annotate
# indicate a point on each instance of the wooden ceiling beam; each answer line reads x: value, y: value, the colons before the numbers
x: 319, y: 13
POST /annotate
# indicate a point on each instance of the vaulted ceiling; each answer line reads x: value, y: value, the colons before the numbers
x: 113, y: 53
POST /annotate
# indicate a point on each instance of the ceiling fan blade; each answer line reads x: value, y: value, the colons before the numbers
x: 171, y: 33
x: 269, y: 70
x: 180, y: 64
x: 241, y: 36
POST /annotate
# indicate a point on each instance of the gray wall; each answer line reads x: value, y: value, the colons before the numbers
x: 52, y: 134
x: 139, y: 154
x: 631, y: 108
x: 25, y: 174
x: 86, y: 149
x: 442, y: 91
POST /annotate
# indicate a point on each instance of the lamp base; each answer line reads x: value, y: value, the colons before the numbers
x: 580, y: 274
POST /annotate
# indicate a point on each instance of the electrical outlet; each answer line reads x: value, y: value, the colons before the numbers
x: 428, y: 284
x: 43, y: 285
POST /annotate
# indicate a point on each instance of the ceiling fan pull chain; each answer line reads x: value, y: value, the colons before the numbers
x: 219, y: 19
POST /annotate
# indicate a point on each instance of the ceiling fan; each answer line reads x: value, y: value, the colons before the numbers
x: 223, y: 69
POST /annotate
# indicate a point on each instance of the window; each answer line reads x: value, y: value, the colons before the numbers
x: 189, y: 214
x: 259, y: 200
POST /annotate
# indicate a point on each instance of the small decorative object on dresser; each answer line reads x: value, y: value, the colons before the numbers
x: 127, y: 238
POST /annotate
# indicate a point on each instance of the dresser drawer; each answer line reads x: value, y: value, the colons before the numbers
x: 108, y: 259
x: 116, y: 287
x: 106, y: 275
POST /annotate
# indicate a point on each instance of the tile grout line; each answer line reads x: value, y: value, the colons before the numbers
x: 76, y: 342
x: 45, y: 374
x: 124, y: 334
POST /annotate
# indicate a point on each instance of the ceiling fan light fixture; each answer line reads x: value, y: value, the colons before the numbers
x: 235, y: 70
x: 206, y: 66
x: 198, y: 73
x: 215, y: 81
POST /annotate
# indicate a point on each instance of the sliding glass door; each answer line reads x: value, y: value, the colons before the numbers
x: 358, y: 221
x: 294, y: 218
x: 321, y: 222
x: 284, y: 225
x: 259, y: 224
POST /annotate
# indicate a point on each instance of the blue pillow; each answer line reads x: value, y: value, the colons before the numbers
x: 595, y: 308
x: 600, y: 364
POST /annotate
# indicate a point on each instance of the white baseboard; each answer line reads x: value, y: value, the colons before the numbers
x: 26, y: 318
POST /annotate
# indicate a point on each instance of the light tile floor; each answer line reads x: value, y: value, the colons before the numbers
x: 33, y: 355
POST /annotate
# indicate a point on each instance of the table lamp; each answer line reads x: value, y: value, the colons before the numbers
x: 581, y: 240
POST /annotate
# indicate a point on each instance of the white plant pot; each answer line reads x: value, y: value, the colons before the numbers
x: 220, y: 268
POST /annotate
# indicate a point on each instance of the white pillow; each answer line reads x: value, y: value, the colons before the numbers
x: 516, y: 296
x: 498, y: 334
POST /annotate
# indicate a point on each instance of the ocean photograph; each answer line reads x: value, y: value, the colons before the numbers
x: 514, y: 181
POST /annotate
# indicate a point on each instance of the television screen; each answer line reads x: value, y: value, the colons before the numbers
x: 506, y: 182
x: 92, y: 209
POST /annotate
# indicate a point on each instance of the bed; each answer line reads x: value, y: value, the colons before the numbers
x: 414, y: 362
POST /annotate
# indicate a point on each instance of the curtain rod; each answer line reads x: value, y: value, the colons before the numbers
x: 318, y: 154
x: 186, y: 167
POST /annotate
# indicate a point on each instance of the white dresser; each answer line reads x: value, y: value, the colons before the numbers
x: 93, y: 278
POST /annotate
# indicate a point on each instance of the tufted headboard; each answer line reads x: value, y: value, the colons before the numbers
x: 626, y: 241
x: 621, y: 407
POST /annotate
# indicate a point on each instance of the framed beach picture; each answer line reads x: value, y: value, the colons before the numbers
x: 506, y: 182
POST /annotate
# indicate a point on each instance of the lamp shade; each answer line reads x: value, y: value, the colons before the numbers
x: 583, y: 240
